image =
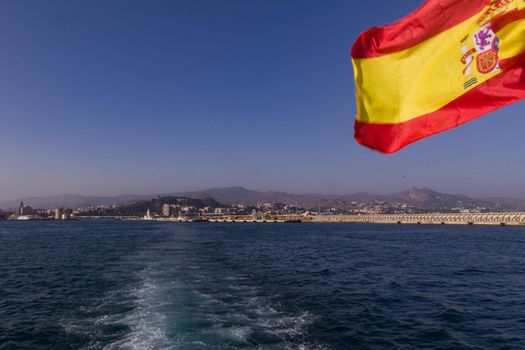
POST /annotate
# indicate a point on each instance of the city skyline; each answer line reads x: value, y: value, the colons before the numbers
x: 109, y: 98
x: 239, y: 195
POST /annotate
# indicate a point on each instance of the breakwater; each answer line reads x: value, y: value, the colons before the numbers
x: 495, y: 219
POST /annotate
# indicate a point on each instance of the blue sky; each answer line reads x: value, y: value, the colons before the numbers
x: 109, y: 97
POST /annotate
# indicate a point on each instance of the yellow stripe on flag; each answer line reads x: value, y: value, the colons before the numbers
x: 424, y: 78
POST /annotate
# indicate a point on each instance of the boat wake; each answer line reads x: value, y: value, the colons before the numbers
x: 162, y: 311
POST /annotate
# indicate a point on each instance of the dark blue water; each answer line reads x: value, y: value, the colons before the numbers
x: 147, y: 285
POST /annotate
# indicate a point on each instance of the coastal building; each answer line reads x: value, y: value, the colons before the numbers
x: 58, y: 213
x: 24, y: 209
x: 148, y: 215
x: 166, y: 210
x: 67, y: 214
x: 192, y: 216
x: 188, y: 209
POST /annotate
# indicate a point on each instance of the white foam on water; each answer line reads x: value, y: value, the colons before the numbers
x: 253, y: 314
x: 239, y: 334
x: 188, y: 313
x: 146, y: 323
x: 309, y: 347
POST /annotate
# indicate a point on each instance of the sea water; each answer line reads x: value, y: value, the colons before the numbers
x: 149, y: 285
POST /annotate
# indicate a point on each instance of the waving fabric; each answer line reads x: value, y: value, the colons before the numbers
x: 445, y: 64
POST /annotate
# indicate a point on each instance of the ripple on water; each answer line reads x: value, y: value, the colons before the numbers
x: 161, y: 312
x: 154, y: 286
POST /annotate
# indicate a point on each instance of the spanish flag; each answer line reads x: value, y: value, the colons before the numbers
x: 445, y: 64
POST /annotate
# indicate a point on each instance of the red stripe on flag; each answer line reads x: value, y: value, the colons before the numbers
x: 506, y: 88
x: 501, y: 21
x: 432, y: 18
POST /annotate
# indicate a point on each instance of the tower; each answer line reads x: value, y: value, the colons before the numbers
x: 166, y: 210
x: 58, y: 213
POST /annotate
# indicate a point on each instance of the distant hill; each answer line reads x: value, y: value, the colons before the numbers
x: 428, y: 199
x: 419, y: 197
x: 422, y: 198
x: 232, y: 195
x: 155, y: 204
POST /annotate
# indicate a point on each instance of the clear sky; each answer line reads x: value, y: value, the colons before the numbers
x: 108, y: 97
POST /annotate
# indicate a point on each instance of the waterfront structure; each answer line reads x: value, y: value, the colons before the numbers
x: 512, y: 218
x: 191, y: 216
x: 148, y: 215
x: 24, y: 210
x: 67, y: 214
x: 166, y: 210
x: 58, y: 213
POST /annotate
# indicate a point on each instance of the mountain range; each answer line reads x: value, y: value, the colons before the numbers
x: 423, y: 198
x: 418, y: 197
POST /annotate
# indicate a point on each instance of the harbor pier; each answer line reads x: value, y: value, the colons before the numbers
x: 494, y: 219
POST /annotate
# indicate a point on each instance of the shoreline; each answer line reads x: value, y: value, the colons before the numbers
x: 464, y: 219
